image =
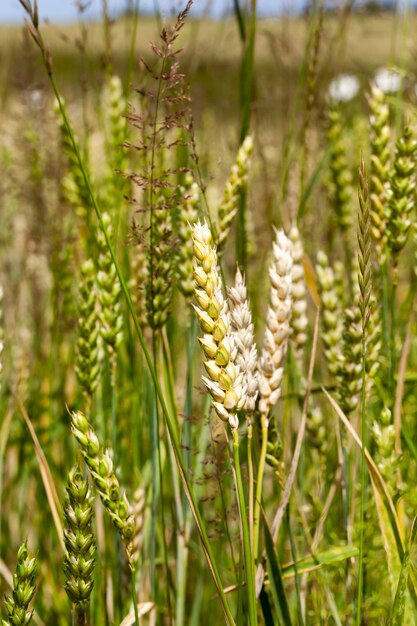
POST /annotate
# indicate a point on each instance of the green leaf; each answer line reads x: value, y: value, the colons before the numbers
x: 318, y: 561
x: 275, y: 578
x: 398, y: 608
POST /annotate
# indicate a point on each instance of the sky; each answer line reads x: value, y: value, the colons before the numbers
x: 64, y: 10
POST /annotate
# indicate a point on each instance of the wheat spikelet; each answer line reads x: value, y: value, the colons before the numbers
x: 73, y: 183
x: 386, y: 458
x: 115, y: 107
x: 243, y: 336
x: 17, y: 605
x: 379, y: 168
x: 235, y: 183
x: 332, y: 319
x: 277, y: 331
x: 101, y: 469
x: 79, y: 541
x: 137, y: 282
x: 87, y: 365
x: 111, y: 320
x: 160, y: 265
x: 341, y: 177
x: 225, y: 381
x: 138, y: 512
x: 188, y: 209
x: 299, y: 321
x: 401, y: 195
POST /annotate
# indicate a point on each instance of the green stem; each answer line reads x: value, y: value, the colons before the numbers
x: 251, y: 483
x: 155, y: 479
x: 294, y: 558
x: 385, y: 320
x: 134, y: 597
x: 392, y: 337
x: 259, y: 481
x: 249, y: 563
x: 363, y: 481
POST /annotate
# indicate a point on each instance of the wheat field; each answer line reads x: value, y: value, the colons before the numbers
x: 208, y: 278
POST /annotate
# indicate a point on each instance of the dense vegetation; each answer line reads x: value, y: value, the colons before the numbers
x: 208, y: 330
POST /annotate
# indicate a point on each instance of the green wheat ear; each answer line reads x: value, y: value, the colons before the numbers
x: 87, y: 366
x: 79, y: 541
x: 379, y: 169
x: 401, y: 195
x: 101, y: 469
x: 23, y: 590
x: 109, y: 291
x: 340, y: 175
x: 237, y: 180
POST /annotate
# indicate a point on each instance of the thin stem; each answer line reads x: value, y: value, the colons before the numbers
x: 363, y: 483
x: 249, y: 563
x: 251, y: 484
x: 134, y: 597
x: 259, y: 482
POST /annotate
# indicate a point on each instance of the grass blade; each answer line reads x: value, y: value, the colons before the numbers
x: 275, y: 577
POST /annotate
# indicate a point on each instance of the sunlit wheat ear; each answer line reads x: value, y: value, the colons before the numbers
x: 331, y: 316
x: 236, y: 181
x: 79, y: 541
x: 17, y: 605
x: 299, y: 321
x: 379, y: 167
x: 188, y: 210
x: 225, y: 381
x: 104, y: 478
x: 244, y: 339
x: 87, y: 365
x: 401, y: 195
x: 341, y: 191
x: 271, y: 362
x: 109, y: 290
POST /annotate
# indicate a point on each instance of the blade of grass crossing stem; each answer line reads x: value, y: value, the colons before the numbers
x: 319, y: 561
x: 275, y: 578
x: 170, y: 424
x: 398, y: 608
x: 48, y: 483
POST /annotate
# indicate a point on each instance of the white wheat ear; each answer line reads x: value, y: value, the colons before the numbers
x: 243, y: 334
x: 277, y: 330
